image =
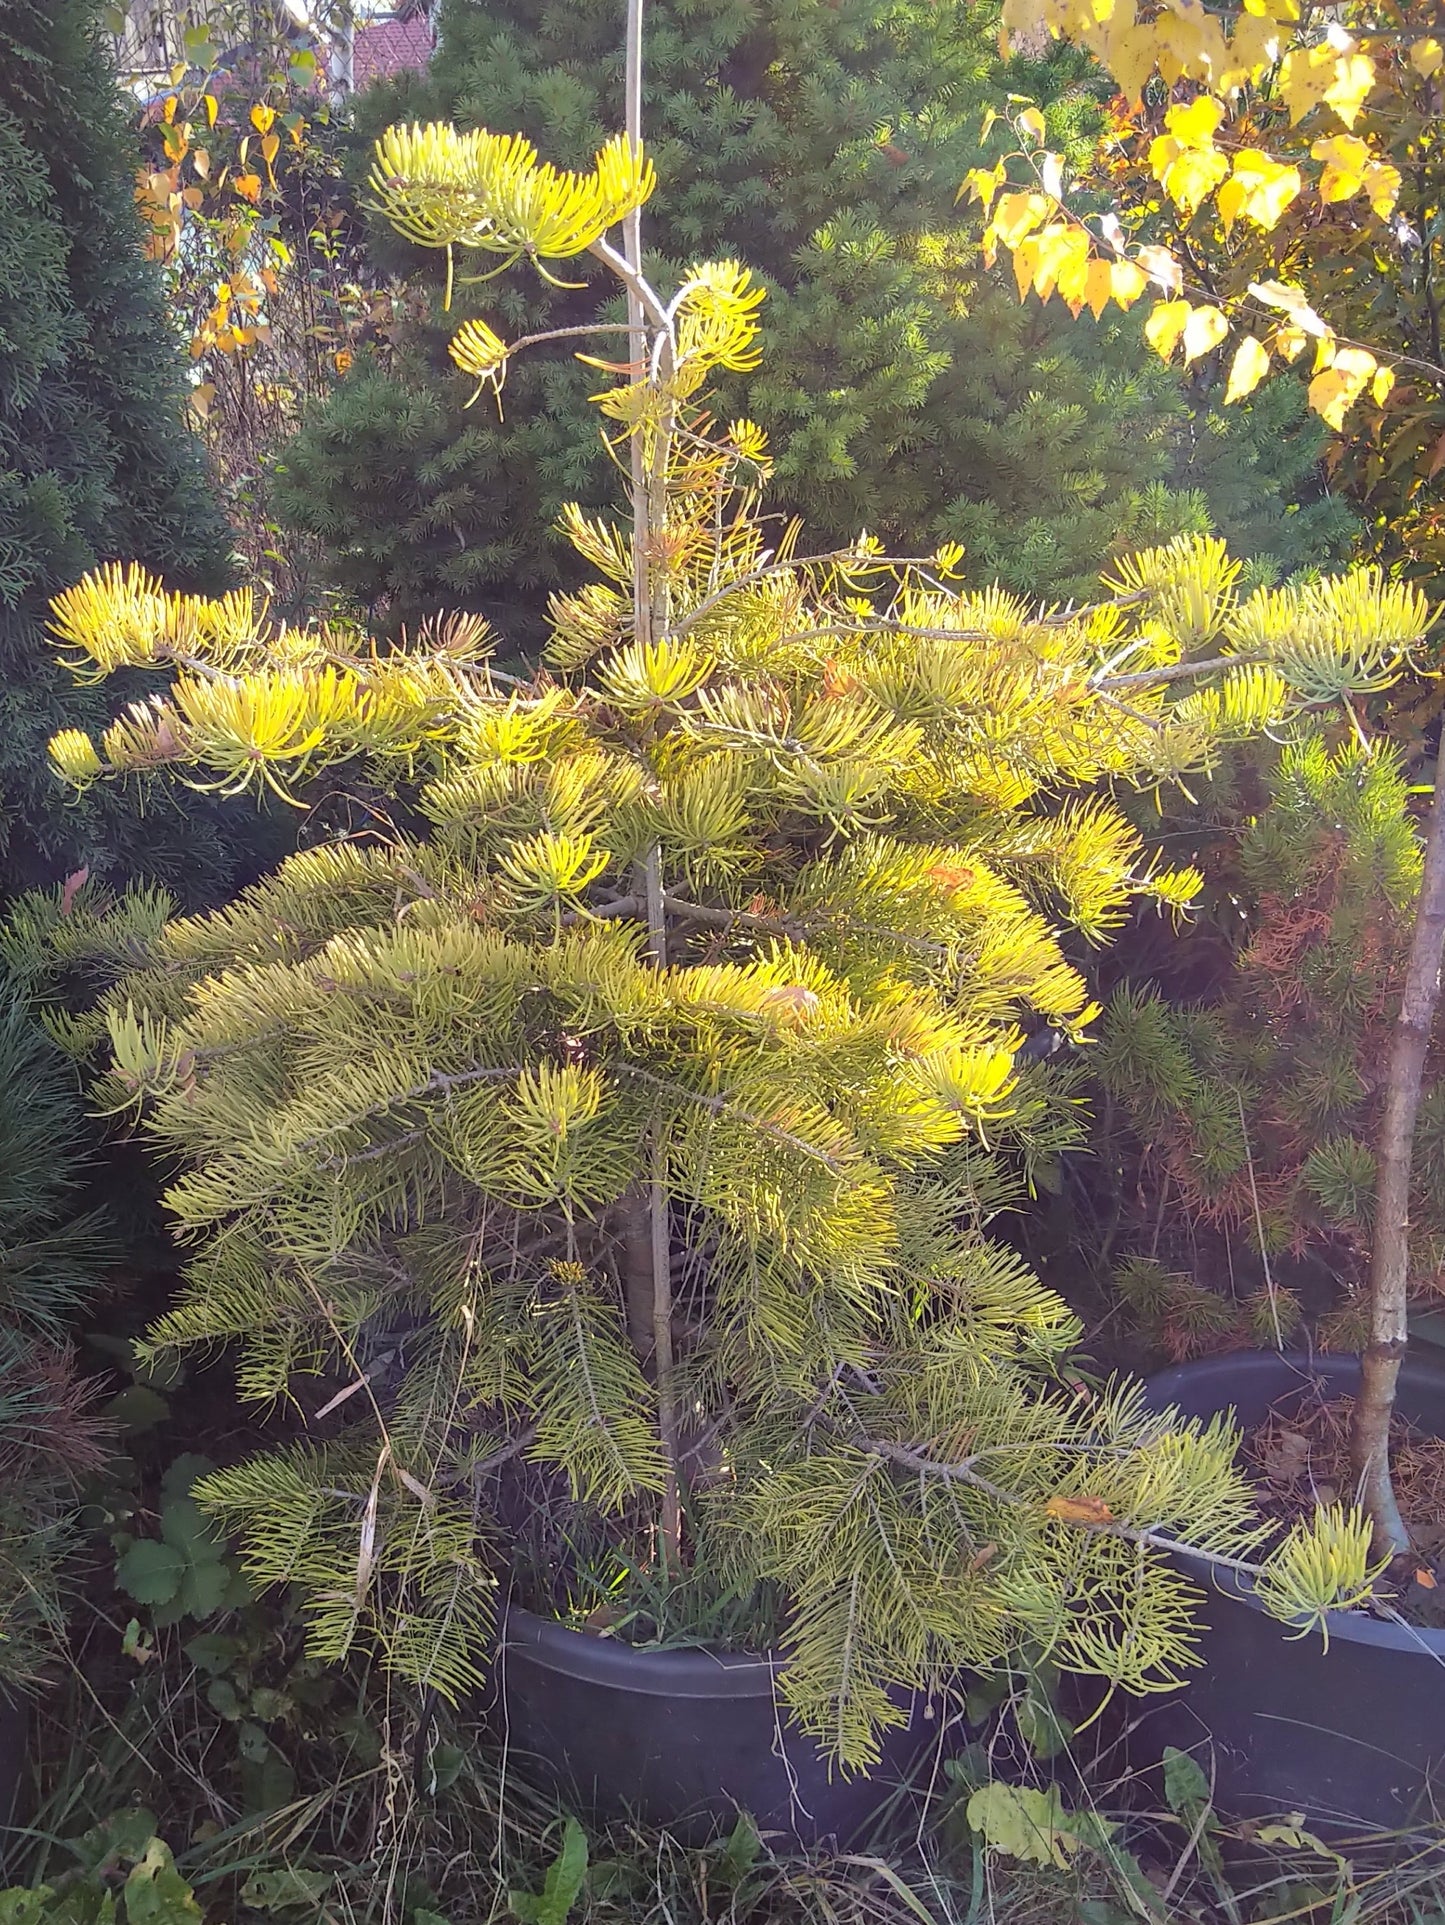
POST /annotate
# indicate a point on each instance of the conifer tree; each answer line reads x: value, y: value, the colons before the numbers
x: 652, y: 1072
x: 1254, y: 1110
x: 94, y: 459
x: 903, y: 391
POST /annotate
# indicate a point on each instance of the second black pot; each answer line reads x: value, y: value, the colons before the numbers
x: 1353, y: 1734
x: 685, y: 1739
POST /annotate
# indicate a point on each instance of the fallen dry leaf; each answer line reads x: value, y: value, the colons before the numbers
x: 1287, y: 1458
x: 1079, y: 1510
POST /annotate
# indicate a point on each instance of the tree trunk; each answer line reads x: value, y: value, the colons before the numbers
x: 634, y: 1216
x: 341, y: 58
x: 1390, y: 1252
x: 660, y: 1239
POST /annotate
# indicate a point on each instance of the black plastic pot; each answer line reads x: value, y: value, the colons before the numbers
x: 681, y: 1738
x: 1353, y: 1733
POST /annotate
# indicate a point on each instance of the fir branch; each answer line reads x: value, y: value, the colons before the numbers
x: 961, y: 1471
x: 772, y: 565
x: 437, y: 1084
x: 794, y: 927
x: 726, y: 1106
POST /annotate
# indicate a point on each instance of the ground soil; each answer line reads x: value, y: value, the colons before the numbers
x: 1301, y: 1458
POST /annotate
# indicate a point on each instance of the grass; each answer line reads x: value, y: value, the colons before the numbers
x: 392, y: 1818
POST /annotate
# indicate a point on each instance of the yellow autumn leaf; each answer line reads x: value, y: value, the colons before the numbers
x: 1196, y: 123
x: 1427, y: 57
x: 1354, y: 78
x: 1099, y: 285
x: 1336, y: 389
x: 1188, y: 175
x: 1273, y: 9
x: 1381, y: 385
x: 1165, y: 325
x: 1031, y: 122
x: 1128, y: 53
x: 983, y: 183
x: 1254, y: 47
x: 1248, y: 368
x: 1191, y: 43
x: 1278, y: 294
x: 1345, y: 158
x: 1022, y: 16
x: 1304, y: 75
x: 1063, y: 261
x: 1126, y: 282
x: 1260, y: 189
x: 1205, y: 329
x: 1290, y: 341
x: 1382, y: 187
x: 1017, y: 214
x: 262, y: 117
x: 1185, y: 160
x: 1026, y: 259
x: 1073, y: 275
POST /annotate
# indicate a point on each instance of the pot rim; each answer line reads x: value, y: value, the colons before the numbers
x: 1351, y: 1627
x: 687, y: 1672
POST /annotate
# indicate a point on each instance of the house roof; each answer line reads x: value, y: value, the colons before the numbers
x: 386, y: 47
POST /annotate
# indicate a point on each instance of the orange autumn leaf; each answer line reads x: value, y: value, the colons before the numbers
x: 1079, y: 1510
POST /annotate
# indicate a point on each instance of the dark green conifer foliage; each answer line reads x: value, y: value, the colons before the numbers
x: 51, y: 1255
x: 1249, y: 1116
x: 1257, y: 465
x: 824, y: 145
x: 94, y: 459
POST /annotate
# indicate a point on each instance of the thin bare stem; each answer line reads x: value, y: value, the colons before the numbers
x: 637, y: 330
x: 1173, y: 672
x: 1390, y: 1250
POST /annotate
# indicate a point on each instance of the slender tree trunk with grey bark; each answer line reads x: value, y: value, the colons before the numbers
x: 1390, y: 1251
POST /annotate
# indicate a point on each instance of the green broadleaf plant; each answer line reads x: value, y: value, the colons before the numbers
x: 637, y: 1103
x: 562, y: 1885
